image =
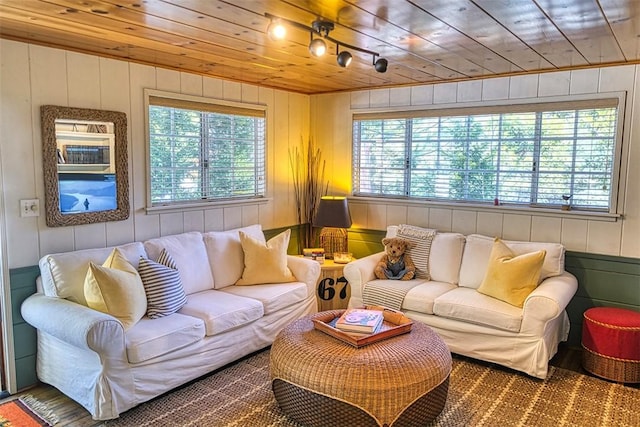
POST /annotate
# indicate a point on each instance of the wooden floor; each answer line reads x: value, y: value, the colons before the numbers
x: 73, y: 415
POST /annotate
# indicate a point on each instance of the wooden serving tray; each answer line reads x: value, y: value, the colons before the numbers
x: 395, y: 323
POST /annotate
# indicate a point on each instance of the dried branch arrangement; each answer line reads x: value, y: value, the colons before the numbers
x: 309, y: 186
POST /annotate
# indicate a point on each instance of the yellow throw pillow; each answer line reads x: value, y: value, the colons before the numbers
x: 115, y: 288
x: 265, y: 262
x: 511, y: 278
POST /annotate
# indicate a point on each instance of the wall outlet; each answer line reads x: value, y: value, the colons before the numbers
x: 30, y: 207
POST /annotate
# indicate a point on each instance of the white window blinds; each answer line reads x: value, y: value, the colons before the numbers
x: 200, y: 151
x: 539, y: 155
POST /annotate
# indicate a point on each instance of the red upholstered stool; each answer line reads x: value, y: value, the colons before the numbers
x: 611, y: 342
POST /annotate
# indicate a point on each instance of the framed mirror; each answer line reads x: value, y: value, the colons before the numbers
x: 84, y: 156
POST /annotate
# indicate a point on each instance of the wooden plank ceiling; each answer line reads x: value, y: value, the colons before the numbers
x: 424, y: 41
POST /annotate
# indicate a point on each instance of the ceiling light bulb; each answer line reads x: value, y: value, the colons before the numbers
x: 276, y: 30
x: 344, y: 59
x: 317, y: 47
x: 381, y: 65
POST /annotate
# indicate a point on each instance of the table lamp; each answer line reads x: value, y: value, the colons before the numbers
x: 333, y: 215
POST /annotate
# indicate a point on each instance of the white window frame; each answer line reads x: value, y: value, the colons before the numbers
x: 617, y: 191
x: 214, y: 105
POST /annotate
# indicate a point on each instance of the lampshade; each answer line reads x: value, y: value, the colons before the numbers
x: 333, y: 211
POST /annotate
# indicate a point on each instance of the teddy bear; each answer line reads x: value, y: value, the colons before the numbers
x: 396, y: 264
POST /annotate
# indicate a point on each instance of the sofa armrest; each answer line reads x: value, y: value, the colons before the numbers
x: 305, y: 270
x: 358, y: 273
x: 74, y: 324
x: 548, y: 301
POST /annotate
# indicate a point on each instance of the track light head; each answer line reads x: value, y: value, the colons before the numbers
x: 276, y: 30
x: 344, y: 58
x: 317, y: 47
x: 322, y: 27
x: 380, y: 64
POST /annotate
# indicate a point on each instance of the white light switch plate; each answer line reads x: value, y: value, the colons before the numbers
x: 30, y: 207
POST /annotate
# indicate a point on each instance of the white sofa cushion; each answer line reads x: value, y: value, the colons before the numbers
x: 273, y: 297
x: 189, y: 254
x: 151, y: 338
x: 420, y: 298
x: 468, y: 305
x: 222, y: 311
x: 225, y: 253
x: 477, y: 250
x: 445, y: 255
x: 63, y: 274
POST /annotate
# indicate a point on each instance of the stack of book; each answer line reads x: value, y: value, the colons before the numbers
x: 360, y: 320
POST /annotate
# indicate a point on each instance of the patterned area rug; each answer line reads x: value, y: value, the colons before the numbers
x: 25, y: 412
x: 479, y: 395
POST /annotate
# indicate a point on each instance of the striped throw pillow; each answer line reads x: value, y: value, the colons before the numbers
x: 162, y: 284
x: 422, y: 238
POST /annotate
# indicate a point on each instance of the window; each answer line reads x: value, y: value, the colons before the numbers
x: 200, y: 151
x: 538, y: 155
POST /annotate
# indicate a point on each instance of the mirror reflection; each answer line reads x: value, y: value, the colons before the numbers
x: 85, y: 165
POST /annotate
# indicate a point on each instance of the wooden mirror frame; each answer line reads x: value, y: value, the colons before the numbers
x: 55, y: 218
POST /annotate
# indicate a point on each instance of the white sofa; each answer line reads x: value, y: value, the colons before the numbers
x: 90, y: 357
x: 474, y: 324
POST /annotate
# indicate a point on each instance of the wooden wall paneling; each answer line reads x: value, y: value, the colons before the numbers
x: 23, y: 283
x: 399, y: 96
x: 396, y: 214
x: 231, y: 91
x: 584, y: 81
x: 554, y: 84
x: 464, y: 221
x: 377, y: 216
x: 359, y: 99
x: 250, y: 215
x: 631, y: 225
x: 604, y: 237
x: 49, y: 85
x: 141, y: 77
x: 445, y: 93
x: 232, y: 217
x: 421, y: 95
x: 111, y: 98
x: 469, y: 91
x: 440, y: 218
x: 191, y: 84
x: 193, y: 221
x: 379, y: 98
x: 418, y: 215
x: 89, y: 236
x: 495, y: 89
x: 249, y: 93
x: 489, y: 223
x: 278, y: 154
x: 523, y: 86
x: 17, y: 144
x: 268, y: 211
x: 171, y: 223
x: 214, y: 219
x: 167, y: 80
x: 516, y: 227
x: 546, y: 229
x: 83, y: 80
x: 574, y: 234
x: 359, y: 214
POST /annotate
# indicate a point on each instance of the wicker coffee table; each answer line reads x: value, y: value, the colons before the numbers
x: 321, y: 381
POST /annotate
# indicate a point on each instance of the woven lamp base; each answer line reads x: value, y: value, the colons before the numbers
x: 333, y: 240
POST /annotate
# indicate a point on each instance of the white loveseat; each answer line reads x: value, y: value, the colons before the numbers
x: 474, y: 324
x: 89, y: 356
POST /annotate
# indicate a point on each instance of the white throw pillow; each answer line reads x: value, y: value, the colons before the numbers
x: 225, y: 253
x: 189, y: 253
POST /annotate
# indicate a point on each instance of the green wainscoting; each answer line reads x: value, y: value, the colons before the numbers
x: 603, y: 281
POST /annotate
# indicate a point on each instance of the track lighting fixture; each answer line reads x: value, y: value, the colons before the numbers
x: 380, y: 64
x: 318, y: 46
x: 344, y: 58
x: 276, y: 30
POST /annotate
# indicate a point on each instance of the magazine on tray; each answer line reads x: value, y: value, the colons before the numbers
x: 360, y: 320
